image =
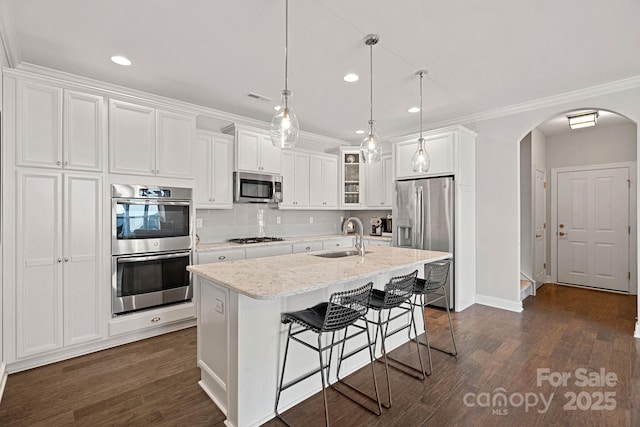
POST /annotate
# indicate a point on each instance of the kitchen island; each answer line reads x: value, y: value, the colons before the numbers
x: 240, y: 335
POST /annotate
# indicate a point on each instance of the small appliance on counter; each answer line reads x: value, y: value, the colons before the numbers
x: 376, y: 226
x: 387, y: 227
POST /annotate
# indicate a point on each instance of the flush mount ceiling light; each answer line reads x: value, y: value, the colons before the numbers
x: 583, y: 120
x: 370, y: 148
x: 284, y: 125
x: 420, y: 161
x: 121, y: 60
x: 413, y: 109
x: 350, y: 78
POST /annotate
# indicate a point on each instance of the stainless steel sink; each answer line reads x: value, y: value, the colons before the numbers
x: 340, y: 254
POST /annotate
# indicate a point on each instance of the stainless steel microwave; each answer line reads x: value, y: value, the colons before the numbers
x: 256, y: 188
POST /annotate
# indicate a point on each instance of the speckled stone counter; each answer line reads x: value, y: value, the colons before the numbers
x: 286, y: 275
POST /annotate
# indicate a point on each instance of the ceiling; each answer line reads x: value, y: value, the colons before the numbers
x: 480, y: 55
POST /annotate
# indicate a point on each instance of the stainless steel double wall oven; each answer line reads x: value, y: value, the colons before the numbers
x: 151, y: 244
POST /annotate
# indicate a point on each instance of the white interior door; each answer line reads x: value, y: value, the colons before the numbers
x: 593, y: 228
x: 540, y: 238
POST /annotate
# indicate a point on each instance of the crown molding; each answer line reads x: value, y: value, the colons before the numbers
x: 8, y: 38
x: 550, y: 101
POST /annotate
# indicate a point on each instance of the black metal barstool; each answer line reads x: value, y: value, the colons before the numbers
x: 342, y: 311
x: 396, y: 295
x: 434, y: 285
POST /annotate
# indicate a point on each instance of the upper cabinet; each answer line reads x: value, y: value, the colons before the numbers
x: 352, y: 178
x: 379, y: 183
x: 254, y: 151
x: 439, y: 146
x: 43, y: 139
x: 147, y: 141
x: 213, y: 171
x: 295, y: 179
x: 451, y: 151
x: 323, y: 182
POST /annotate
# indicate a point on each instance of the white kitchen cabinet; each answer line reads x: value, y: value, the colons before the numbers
x: 44, y: 140
x: 221, y: 255
x: 301, y: 247
x: 440, y: 147
x: 146, y: 141
x: 352, y: 179
x: 323, y: 182
x: 58, y: 259
x: 254, y: 151
x: 379, y: 183
x: 175, y: 134
x: 295, y: 179
x: 212, y: 167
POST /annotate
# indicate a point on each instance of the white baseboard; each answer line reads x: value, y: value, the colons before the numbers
x: 500, y: 303
x: 637, y: 333
x: 3, y: 378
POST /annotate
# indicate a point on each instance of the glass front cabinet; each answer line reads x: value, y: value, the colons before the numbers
x: 352, y: 179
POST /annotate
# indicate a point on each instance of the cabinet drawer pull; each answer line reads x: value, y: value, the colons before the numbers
x: 155, y: 320
x: 308, y: 248
x: 58, y: 163
x: 222, y: 257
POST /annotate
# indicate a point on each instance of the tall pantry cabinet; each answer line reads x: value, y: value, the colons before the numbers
x: 52, y: 216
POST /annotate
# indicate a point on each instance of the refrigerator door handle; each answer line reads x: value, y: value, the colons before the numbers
x: 419, y: 219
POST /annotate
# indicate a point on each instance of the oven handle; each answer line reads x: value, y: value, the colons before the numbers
x: 153, y: 202
x: 122, y: 260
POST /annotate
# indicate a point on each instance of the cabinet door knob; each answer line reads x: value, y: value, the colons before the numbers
x: 58, y: 163
x: 66, y: 259
x: 59, y: 259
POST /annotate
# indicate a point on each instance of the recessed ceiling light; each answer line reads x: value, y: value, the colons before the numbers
x: 350, y: 78
x: 120, y: 60
x: 359, y: 132
x: 414, y: 109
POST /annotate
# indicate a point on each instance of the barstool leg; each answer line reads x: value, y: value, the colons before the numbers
x: 426, y: 334
x: 373, y: 369
x: 453, y: 338
x: 384, y: 354
x: 284, y: 363
x: 324, y: 385
x: 415, y: 331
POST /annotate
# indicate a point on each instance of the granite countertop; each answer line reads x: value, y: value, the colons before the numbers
x: 203, y: 247
x: 286, y: 275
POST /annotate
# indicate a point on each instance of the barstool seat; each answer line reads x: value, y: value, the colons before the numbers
x: 342, y: 311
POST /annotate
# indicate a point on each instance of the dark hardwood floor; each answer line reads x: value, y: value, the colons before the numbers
x: 562, y: 329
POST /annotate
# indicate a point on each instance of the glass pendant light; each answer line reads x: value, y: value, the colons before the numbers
x: 420, y: 161
x: 284, y: 125
x: 370, y: 148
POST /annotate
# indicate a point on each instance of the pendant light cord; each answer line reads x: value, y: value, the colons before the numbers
x: 371, y: 88
x: 286, y: 53
x: 421, y: 75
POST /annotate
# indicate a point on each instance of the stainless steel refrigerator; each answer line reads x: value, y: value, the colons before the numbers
x: 423, y: 219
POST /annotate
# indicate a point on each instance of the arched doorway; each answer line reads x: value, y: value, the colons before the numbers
x: 550, y: 148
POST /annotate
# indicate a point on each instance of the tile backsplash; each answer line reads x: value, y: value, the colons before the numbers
x: 254, y: 219
x: 247, y: 220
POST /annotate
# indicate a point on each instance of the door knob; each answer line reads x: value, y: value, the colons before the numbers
x: 562, y: 233
x: 561, y: 226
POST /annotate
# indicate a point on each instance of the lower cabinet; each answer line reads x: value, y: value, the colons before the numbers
x: 302, y: 247
x: 58, y: 261
x: 345, y: 242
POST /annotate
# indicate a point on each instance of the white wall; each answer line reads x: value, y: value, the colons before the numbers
x: 497, y: 188
x: 526, y: 207
x: 539, y: 162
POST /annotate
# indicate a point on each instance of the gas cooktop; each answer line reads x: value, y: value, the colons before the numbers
x: 246, y: 240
